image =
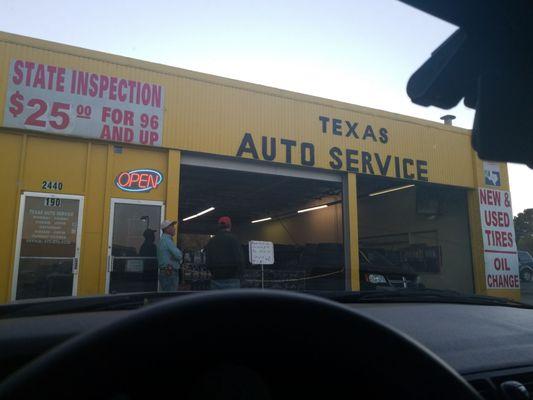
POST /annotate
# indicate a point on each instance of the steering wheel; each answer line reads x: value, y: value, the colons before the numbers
x: 240, y: 344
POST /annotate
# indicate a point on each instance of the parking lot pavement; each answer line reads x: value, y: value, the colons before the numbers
x: 526, y: 289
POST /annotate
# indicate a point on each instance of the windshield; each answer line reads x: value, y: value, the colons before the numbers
x: 225, y: 146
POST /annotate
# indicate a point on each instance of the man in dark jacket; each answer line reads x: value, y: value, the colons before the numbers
x: 225, y: 258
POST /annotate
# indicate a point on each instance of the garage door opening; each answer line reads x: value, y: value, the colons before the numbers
x: 302, y: 217
x: 413, y: 235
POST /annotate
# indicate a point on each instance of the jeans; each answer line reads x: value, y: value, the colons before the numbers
x: 168, y: 283
x: 221, y: 284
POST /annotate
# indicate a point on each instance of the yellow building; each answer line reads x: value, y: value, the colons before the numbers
x: 97, y: 149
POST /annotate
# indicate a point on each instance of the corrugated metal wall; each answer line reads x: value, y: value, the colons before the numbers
x: 211, y: 115
x: 84, y: 168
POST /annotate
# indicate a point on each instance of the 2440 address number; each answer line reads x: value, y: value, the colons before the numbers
x: 52, y: 185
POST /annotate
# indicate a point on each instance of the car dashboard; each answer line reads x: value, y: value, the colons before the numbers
x: 487, y: 345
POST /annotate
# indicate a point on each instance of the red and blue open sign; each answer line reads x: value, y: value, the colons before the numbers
x: 139, y: 180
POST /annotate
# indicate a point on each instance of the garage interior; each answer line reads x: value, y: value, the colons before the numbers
x: 308, y: 245
x: 417, y: 233
x: 420, y: 228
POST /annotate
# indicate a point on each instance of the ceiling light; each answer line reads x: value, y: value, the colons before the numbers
x: 390, y: 190
x: 261, y: 220
x: 312, y: 208
x: 200, y: 213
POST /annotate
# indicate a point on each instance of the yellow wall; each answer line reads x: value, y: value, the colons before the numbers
x: 95, y: 220
x: 10, y: 163
x: 87, y: 169
x: 352, y: 230
x: 204, y: 114
x: 209, y: 114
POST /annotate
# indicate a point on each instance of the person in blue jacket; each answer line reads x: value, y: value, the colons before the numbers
x: 169, y: 258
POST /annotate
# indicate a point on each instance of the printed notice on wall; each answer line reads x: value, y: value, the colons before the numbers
x: 261, y: 253
x: 55, y: 99
x: 499, y: 246
x: 49, y: 227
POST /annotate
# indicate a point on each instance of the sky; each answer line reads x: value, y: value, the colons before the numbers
x: 360, y: 52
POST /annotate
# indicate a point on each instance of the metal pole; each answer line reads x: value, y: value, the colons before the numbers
x: 262, y: 277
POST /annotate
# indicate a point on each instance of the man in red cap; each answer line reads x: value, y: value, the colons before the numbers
x: 225, y: 258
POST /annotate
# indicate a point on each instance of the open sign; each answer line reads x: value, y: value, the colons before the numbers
x: 139, y: 180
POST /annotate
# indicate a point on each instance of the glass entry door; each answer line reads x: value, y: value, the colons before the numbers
x: 48, y: 246
x: 132, y: 250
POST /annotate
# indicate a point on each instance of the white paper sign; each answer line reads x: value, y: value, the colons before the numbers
x: 55, y: 99
x: 492, y: 174
x: 499, y: 245
x: 134, y: 266
x: 261, y: 253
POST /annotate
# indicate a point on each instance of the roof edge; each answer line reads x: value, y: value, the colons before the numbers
x: 11, y: 38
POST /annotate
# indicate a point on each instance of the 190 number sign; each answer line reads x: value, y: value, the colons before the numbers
x: 52, y: 202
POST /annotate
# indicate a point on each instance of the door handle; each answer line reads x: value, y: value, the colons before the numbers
x: 110, y: 262
x: 75, y: 265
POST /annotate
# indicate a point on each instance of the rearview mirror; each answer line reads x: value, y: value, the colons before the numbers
x: 488, y: 62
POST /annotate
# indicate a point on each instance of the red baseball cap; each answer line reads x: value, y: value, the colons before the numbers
x: 225, y: 221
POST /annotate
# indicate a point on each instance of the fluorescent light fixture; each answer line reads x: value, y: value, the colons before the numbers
x: 200, y: 213
x: 390, y: 190
x: 312, y: 208
x: 261, y: 220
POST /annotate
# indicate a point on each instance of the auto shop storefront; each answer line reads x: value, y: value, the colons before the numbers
x: 97, y: 150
